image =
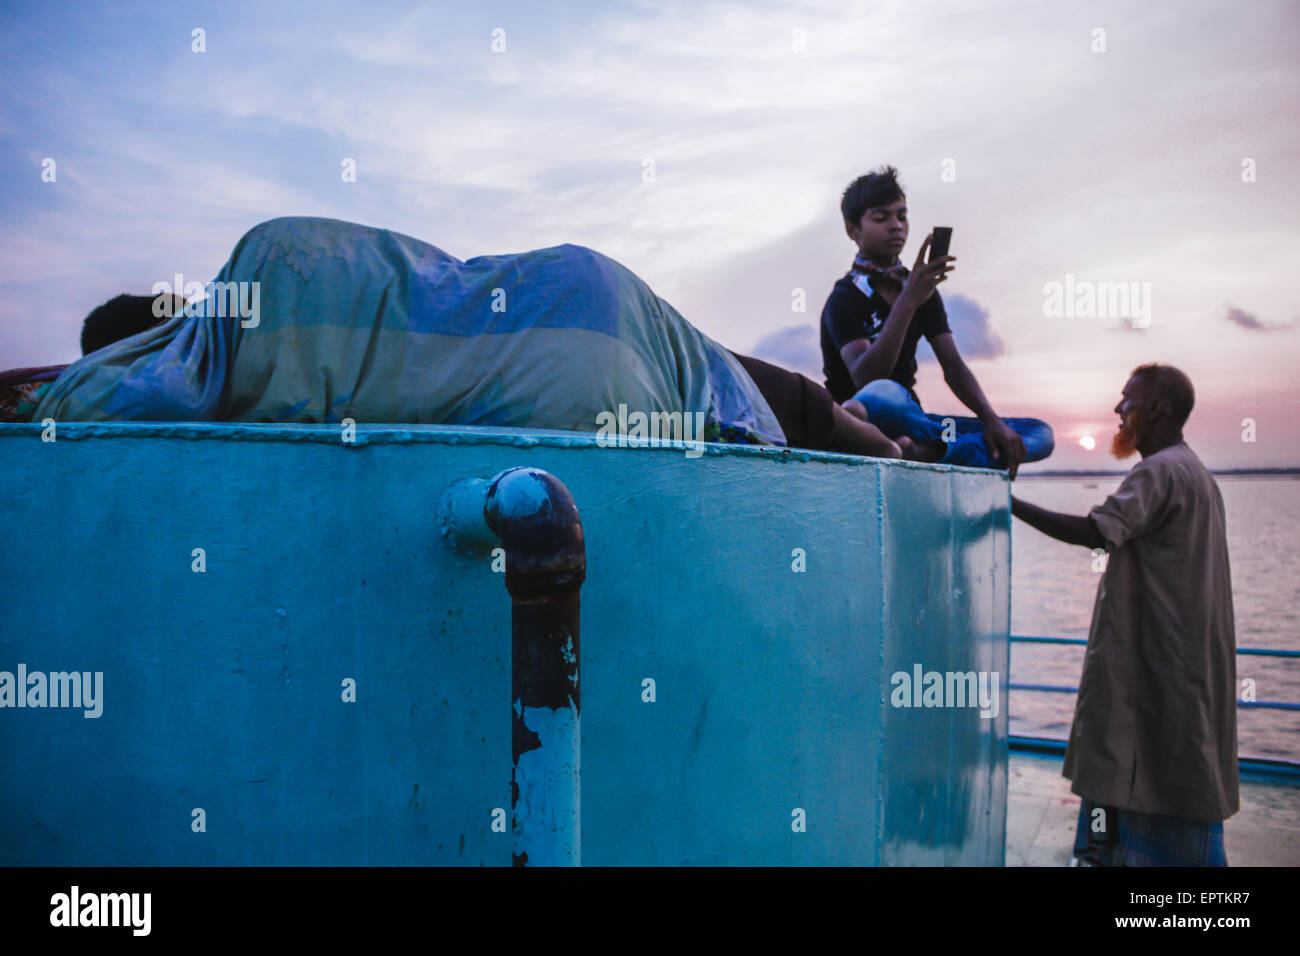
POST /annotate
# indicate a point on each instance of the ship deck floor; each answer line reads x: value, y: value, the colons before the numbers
x: 1041, y: 816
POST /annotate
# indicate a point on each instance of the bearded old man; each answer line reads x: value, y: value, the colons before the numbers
x: 1153, y: 745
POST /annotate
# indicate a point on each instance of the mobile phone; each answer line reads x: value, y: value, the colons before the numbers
x: 939, y: 244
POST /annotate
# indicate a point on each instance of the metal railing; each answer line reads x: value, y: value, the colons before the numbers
x: 1251, y: 764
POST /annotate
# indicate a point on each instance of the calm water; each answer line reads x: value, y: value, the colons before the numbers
x: 1053, y: 586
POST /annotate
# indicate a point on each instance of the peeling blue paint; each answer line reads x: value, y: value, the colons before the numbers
x: 548, y: 812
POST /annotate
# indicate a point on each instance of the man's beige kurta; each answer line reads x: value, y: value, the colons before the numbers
x: 1155, y: 726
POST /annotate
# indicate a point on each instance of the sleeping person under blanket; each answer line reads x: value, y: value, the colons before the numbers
x: 319, y: 320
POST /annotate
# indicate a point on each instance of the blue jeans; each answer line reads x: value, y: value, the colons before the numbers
x: 892, y: 409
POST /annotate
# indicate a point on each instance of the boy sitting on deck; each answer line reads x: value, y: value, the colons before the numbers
x: 318, y: 320
x: 870, y: 327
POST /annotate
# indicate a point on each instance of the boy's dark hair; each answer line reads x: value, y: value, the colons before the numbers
x: 118, y: 319
x: 1172, y: 385
x: 877, y: 188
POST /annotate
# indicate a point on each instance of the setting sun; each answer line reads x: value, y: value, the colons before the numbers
x: 1088, y: 442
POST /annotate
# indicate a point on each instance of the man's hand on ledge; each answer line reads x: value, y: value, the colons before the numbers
x: 1072, y: 529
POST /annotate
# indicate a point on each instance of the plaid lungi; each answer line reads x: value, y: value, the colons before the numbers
x: 1129, y: 838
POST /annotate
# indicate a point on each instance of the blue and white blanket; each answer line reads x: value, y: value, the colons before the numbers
x: 318, y: 320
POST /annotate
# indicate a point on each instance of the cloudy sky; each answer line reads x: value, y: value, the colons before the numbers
x: 705, y: 146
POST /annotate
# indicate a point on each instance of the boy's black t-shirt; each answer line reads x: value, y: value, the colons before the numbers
x: 850, y: 314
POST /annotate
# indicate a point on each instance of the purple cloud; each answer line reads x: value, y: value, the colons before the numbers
x: 1246, y: 320
x: 971, y: 331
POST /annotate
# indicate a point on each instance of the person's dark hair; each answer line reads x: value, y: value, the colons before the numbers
x: 877, y: 188
x: 1172, y: 385
x: 117, y: 319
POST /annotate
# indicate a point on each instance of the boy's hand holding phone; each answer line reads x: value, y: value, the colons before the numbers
x: 926, y: 273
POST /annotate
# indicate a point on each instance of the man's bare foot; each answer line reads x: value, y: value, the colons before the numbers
x: 856, y: 409
x: 920, y: 451
x: 857, y: 437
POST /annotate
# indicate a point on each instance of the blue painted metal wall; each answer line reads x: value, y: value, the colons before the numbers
x: 324, y: 561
